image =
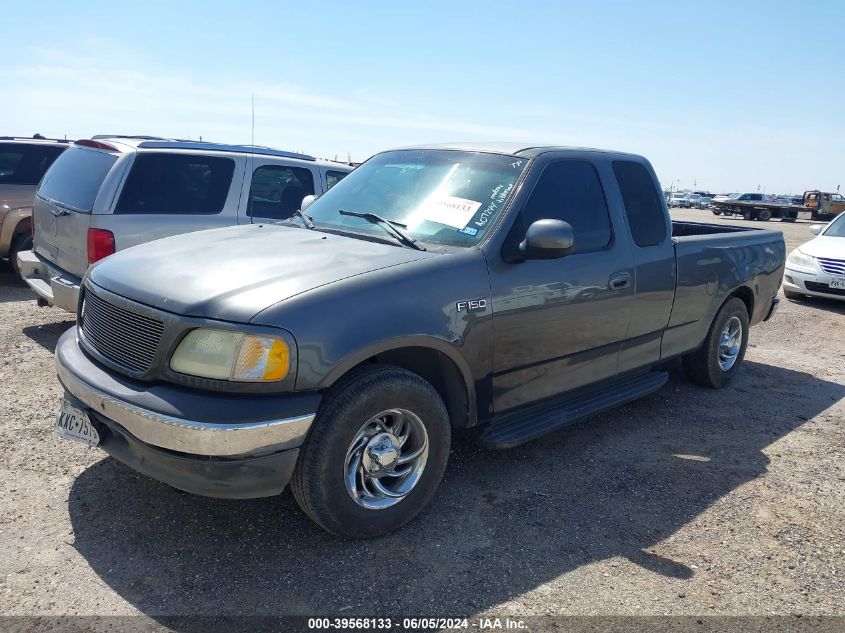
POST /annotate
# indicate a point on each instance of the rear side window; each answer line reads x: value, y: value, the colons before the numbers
x: 277, y: 191
x: 334, y: 177
x: 75, y: 178
x: 183, y: 184
x: 642, y: 204
x: 571, y: 191
x: 22, y: 164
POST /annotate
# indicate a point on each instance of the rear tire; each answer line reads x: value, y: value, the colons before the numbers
x: 764, y: 215
x: 716, y: 362
x: 339, y: 480
x: 21, y: 242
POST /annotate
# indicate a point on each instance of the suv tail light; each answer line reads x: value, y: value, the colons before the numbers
x: 100, y: 244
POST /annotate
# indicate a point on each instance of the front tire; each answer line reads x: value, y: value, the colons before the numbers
x: 795, y: 296
x: 716, y: 362
x: 375, y: 455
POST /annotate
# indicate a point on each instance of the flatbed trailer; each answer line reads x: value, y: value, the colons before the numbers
x: 762, y: 210
x: 816, y: 205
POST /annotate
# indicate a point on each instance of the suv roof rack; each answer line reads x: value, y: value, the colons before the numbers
x: 220, y: 147
x: 138, y: 137
x: 34, y: 138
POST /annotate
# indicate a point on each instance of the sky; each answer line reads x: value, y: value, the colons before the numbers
x: 722, y: 96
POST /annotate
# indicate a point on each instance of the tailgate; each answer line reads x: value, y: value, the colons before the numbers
x: 63, y: 205
x: 61, y: 236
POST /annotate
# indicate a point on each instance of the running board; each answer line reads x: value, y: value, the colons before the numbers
x: 523, y: 425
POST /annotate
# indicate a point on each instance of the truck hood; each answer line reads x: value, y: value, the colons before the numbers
x: 824, y: 246
x: 235, y: 272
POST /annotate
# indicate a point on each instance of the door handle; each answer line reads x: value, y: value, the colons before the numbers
x: 618, y: 281
x: 57, y: 213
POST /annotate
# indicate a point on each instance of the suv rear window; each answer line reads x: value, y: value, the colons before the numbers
x: 23, y: 164
x: 176, y: 184
x: 75, y: 178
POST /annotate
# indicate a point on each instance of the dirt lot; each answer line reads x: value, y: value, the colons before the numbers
x: 690, y: 501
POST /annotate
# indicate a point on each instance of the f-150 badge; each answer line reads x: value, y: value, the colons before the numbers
x: 471, y: 305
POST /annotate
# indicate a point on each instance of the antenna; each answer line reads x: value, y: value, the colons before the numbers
x: 251, y: 159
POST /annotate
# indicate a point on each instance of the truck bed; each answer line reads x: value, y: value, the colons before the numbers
x: 713, y: 261
x: 687, y: 229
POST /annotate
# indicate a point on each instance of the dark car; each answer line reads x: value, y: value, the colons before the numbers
x: 514, y: 289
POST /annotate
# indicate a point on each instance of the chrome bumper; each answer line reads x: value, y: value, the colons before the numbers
x: 194, y: 437
x: 52, y: 285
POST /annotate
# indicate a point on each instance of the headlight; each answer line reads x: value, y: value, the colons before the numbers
x: 797, y: 258
x: 226, y: 355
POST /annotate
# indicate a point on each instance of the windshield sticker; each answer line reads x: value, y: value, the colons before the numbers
x: 468, y: 230
x: 497, y: 197
x: 448, y: 210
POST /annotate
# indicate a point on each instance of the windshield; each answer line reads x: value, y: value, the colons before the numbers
x: 734, y: 196
x: 442, y: 197
x: 836, y: 228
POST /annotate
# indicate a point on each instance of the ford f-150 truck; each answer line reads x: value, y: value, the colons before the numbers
x: 514, y: 289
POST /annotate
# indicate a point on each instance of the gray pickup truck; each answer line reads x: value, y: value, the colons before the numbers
x: 509, y: 288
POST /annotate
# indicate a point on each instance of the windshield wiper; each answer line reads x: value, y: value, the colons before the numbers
x: 306, y: 219
x: 391, y: 226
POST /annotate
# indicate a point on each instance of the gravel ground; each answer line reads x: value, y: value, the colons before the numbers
x: 690, y: 501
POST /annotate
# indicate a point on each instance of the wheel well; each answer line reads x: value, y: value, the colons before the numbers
x: 744, y: 293
x: 437, y: 369
x: 24, y: 227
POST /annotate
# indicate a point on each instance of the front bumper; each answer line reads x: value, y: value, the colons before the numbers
x: 816, y: 284
x: 53, y: 285
x: 208, y: 443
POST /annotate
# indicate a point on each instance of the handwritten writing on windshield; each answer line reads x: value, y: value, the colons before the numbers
x: 498, y: 196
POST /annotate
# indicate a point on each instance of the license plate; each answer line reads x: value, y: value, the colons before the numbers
x: 74, y: 424
x: 838, y: 282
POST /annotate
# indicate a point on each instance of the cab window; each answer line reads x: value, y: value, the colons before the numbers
x: 642, y: 204
x: 570, y: 191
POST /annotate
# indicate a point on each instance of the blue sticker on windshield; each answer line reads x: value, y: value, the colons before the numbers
x: 468, y: 230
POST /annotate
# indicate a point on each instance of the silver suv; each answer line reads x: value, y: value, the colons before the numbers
x: 109, y: 193
x: 23, y: 162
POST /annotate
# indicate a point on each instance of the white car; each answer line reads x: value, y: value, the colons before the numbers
x: 817, y: 268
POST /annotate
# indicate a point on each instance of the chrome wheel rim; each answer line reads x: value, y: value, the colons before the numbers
x: 730, y: 343
x: 386, y: 459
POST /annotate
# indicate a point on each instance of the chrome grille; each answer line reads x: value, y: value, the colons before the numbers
x: 120, y: 335
x: 832, y: 266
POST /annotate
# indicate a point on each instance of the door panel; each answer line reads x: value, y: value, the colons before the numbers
x: 559, y: 323
x: 560, y: 331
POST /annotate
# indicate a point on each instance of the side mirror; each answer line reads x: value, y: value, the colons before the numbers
x: 816, y: 229
x: 547, y: 239
x: 307, y: 201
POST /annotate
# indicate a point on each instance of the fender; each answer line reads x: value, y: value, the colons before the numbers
x: 418, y: 340
x: 10, y: 223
